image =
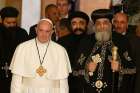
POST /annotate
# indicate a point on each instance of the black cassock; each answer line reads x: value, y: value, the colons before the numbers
x: 71, y: 43
x: 127, y: 74
x: 103, y: 79
x: 9, y: 39
x: 135, y: 44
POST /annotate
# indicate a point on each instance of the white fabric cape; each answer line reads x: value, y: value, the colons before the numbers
x: 25, y: 61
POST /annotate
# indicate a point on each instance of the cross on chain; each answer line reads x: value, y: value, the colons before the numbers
x: 6, y: 68
x: 41, y: 71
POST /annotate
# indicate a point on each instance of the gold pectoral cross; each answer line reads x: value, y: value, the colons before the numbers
x: 40, y: 71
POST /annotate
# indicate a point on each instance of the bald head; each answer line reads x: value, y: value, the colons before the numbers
x: 120, y: 22
x: 121, y: 15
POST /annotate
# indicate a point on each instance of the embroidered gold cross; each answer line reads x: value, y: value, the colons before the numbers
x: 41, y: 71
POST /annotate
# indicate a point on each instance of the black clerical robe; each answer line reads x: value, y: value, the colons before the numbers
x: 127, y: 74
x: 72, y: 43
x: 9, y: 39
x: 135, y: 45
x: 32, y: 32
x: 88, y: 47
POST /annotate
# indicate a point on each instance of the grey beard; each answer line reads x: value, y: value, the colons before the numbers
x: 103, y: 35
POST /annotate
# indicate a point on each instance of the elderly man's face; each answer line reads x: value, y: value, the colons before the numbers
x: 103, y: 29
x: 44, y: 31
x: 9, y: 22
x: 79, y: 25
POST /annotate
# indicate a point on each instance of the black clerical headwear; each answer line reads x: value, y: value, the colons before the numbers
x: 8, y: 12
x: 79, y: 14
x: 101, y: 13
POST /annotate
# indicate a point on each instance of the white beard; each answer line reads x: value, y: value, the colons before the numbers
x: 103, y: 35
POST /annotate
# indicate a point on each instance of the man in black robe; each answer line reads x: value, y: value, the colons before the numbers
x: 64, y: 33
x: 78, y: 22
x: 10, y: 36
x: 121, y: 36
x: 135, y: 45
x: 95, y: 56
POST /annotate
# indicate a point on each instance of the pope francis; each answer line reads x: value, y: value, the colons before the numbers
x: 40, y: 65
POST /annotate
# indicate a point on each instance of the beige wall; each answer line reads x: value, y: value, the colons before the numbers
x: 89, y: 5
x: 2, y: 3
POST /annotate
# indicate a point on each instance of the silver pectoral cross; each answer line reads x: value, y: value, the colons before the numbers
x: 6, y: 68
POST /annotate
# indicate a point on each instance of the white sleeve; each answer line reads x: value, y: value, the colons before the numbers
x: 64, y: 88
x: 16, y: 84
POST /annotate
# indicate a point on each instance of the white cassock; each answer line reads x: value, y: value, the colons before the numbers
x: 25, y: 62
